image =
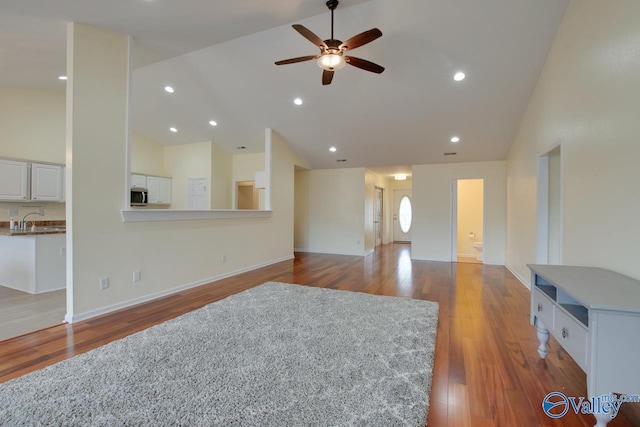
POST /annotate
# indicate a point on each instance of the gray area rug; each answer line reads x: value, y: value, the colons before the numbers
x: 274, y: 355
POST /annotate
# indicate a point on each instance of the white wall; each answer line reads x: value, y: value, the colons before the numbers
x: 221, y: 182
x: 33, y: 124
x: 170, y: 254
x: 432, y: 209
x: 329, y: 208
x: 470, y: 215
x: 587, y: 97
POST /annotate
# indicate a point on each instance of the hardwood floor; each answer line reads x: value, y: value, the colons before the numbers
x: 487, y: 371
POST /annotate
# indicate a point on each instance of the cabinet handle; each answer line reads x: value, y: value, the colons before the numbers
x: 539, y: 307
x: 565, y: 332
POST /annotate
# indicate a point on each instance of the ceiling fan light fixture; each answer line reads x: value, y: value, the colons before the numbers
x: 331, y: 61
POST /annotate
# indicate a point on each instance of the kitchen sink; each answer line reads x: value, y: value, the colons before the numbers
x: 47, y: 228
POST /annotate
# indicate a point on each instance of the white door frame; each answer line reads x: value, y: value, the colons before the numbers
x: 380, y: 220
x: 542, y: 205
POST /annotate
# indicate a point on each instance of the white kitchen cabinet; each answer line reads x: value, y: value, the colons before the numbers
x: 159, y: 190
x: 33, y: 263
x: 47, y: 182
x: 138, y: 181
x: 14, y: 180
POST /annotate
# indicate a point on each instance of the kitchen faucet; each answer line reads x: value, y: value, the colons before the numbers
x: 23, y: 224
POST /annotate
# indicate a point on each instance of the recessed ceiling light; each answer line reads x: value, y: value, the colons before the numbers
x: 297, y: 101
x: 213, y: 123
x: 333, y: 149
x: 401, y: 177
x: 459, y: 76
x: 168, y: 89
x: 455, y: 139
x: 174, y: 130
x: 62, y: 77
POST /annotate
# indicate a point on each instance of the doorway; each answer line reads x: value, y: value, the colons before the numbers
x: 247, y: 195
x: 549, y: 211
x: 467, y: 239
x: 402, y: 215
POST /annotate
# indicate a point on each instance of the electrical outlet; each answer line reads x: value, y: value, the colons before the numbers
x: 41, y: 210
x: 136, y: 276
x: 104, y: 283
x: 223, y: 258
x: 13, y: 211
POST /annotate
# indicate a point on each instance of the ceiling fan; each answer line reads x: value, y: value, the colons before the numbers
x: 332, y: 51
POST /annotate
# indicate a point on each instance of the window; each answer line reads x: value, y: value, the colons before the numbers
x: 404, y: 214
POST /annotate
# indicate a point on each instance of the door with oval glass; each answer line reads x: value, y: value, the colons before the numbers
x: 402, y: 216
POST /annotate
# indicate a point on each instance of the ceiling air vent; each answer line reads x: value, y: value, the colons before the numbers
x: 341, y: 160
x: 450, y: 154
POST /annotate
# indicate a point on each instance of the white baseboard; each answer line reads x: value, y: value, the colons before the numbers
x: 156, y: 295
x: 468, y: 255
x: 308, y: 251
x: 520, y: 278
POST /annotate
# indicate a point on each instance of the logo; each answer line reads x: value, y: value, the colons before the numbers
x: 555, y: 404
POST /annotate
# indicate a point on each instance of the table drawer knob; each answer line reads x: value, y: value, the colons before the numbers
x: 565, y: 332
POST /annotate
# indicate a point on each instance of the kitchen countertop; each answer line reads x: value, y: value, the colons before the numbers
x: 42, y: 227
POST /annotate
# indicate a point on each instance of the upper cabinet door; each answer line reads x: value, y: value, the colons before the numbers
x: 14, y: 183
x: 138, y: 181
x: 46, y: 182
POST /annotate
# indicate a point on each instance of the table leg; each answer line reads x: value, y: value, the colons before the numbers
x: 543, y: 337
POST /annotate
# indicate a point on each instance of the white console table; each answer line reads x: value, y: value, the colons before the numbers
x: 595, y: 316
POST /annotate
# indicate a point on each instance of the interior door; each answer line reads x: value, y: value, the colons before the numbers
x: 377, y: 219
x: 197, y: 193
x: 402, y: 215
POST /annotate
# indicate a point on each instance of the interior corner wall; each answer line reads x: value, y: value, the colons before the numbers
x: 170, y: 255
x: 373, y: 180
x: 147, y: 156
x: 330, y: 205
x: 432, y: 209
x: 586, y: 98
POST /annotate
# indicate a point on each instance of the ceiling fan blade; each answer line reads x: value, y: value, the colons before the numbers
x: 309, y: 35
x: 361, y: 39
x: 327, y: 76
x: 364, y: 64
x: 298, y: 59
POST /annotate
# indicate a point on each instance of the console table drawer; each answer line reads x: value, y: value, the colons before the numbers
x: 572, y: 336
x: 543, y: 308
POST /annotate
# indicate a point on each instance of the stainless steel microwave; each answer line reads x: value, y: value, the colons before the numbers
x: 139, y: 196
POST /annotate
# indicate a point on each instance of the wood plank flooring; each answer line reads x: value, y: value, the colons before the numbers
x: 487, y: 371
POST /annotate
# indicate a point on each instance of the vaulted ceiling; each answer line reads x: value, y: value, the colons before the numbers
x: 219, y: 58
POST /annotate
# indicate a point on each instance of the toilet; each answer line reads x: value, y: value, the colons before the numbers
x: 478, y: 247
